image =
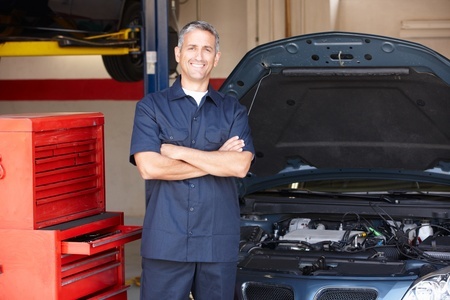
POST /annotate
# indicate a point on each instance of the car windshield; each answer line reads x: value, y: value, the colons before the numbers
x: 362, y: 186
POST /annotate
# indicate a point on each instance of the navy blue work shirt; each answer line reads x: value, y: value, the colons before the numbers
x: 193, y: 220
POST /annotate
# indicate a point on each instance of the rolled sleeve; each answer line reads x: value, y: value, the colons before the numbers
x: 241, y: 128
x: 145, y: 136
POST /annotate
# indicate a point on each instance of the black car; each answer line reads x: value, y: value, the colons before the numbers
x: 349, y: 194
x: 74, y: 22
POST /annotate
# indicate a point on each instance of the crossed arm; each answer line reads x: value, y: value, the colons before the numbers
x: 178, y: 162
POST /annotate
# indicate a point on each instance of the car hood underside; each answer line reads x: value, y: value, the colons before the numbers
x: 394, y: 118
x: 339, y: 101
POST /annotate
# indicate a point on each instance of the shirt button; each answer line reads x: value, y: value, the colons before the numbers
x: 193, y: 141
x: 191, y: 209
x: 192, y: 185
x: 171, y: 137
x: 190, y: 233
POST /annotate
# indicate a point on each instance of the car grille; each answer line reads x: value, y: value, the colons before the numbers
x: 346, y: 294
x: 258, y: 291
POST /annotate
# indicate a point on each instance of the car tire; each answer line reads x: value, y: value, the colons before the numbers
x: 127, y: 68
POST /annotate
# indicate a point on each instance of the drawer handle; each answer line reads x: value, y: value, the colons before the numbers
x: 2, y: 171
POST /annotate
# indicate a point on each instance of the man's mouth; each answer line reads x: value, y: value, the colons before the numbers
x: 197, y: 65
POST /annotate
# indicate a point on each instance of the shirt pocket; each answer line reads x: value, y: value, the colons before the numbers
x: 172, y: 135
x: 215, y: 138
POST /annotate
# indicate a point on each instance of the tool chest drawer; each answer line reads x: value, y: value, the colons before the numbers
x: 90, y: 244
x: 92, y: 257
x: 57, y: 161
x: 95, y: 234
x: 87, y: 275
x: 79, y: 259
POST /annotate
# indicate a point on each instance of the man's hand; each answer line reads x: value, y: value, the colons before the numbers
x: 171, y: 151
x: 233, y: 144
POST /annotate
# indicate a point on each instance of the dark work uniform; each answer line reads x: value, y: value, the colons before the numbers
x: 193, y: 220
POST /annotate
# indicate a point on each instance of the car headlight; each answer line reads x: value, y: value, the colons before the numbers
x: 434, y: 286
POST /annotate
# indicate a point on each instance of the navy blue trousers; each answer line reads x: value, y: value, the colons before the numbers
x: 171, y: 280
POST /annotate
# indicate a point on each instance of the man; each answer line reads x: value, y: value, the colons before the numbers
x: 189, y: 143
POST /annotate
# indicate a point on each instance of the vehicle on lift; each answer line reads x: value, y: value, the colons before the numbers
x: 349, y: 193
x: 76, y: 22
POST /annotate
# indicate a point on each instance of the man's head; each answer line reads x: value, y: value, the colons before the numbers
x: 197, y: 54
x: 202, y: 25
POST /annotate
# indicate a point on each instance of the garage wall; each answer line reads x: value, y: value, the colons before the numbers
x: 52, y: 67
x: 425, y: 22
x: 242, y: 25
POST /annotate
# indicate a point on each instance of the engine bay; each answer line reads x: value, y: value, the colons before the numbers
x: 343, y: 245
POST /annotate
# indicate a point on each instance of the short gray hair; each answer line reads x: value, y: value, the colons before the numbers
x: 202, y: 25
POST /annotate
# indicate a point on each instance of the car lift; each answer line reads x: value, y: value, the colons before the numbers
x: 154, y: 45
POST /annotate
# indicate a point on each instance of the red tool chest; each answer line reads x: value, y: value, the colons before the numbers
x: 57, y: 241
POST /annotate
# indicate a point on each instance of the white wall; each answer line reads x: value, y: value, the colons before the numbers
x: 267, y: 19
x: 242, y: 25
x: 52, y: 67
x: 386, y: 17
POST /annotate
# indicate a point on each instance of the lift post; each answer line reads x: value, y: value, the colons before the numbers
x: 156, y: 33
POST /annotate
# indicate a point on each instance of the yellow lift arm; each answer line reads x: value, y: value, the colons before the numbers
x: 119, y: 43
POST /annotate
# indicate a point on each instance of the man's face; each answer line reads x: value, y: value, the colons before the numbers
x: 197, y: 56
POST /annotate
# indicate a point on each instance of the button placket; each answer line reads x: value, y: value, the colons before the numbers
x: 191, y: 209
x: 195, y: 127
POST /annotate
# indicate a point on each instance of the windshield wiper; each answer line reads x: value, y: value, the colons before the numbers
x: 391, y: 196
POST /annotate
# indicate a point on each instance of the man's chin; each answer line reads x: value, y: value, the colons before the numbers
x: 197, y: 76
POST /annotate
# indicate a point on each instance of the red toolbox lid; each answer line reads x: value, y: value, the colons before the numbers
x: 49, y: 121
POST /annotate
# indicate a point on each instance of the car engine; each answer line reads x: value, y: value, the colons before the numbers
x: 345, y: 245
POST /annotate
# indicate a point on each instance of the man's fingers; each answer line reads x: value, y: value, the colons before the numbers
x: 233, y: 144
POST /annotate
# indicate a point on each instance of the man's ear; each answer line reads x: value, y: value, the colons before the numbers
x: 216, y: 59
x: 177, y: 54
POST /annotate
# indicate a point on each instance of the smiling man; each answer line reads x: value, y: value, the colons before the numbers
x: 189, y: 143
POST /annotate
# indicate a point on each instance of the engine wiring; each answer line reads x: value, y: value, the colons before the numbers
x: 383, y: 239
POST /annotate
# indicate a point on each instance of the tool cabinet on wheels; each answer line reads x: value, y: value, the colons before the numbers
x: 57, y: 239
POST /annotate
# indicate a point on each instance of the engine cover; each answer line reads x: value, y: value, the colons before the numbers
x: 313, y: 236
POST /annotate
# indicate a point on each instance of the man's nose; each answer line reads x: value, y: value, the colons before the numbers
x: 199, y: 55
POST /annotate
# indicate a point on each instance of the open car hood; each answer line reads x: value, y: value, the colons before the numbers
x: 345, y: 100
